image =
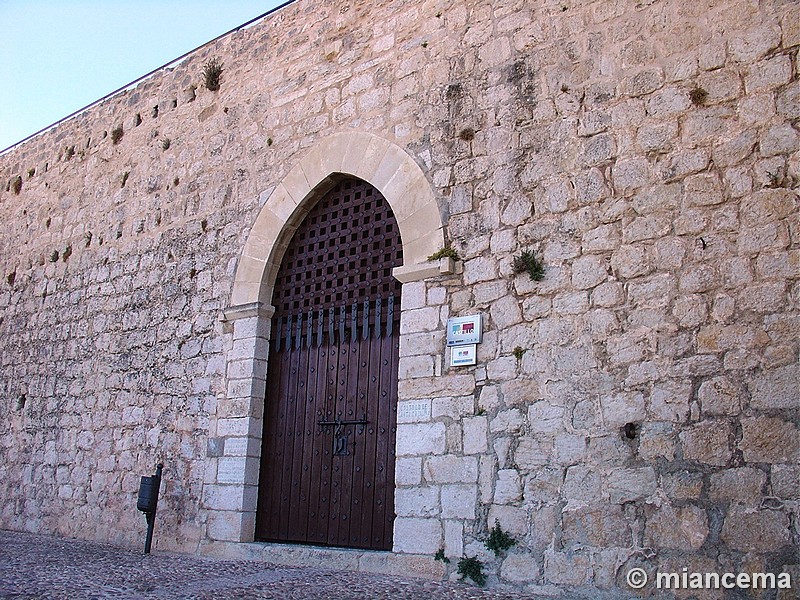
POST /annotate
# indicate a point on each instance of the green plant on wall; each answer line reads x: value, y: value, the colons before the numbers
x: 446, y: 252
x: 698, y: 96
x: 526, y: 262
x: 499, y: 540
x: 212, y: 73
x: 440, y: 556
x: 473, y: 568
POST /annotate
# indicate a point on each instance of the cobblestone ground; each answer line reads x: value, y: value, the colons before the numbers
x: 37, y: 566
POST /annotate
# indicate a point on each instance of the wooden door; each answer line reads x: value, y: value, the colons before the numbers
x: 328, y: 448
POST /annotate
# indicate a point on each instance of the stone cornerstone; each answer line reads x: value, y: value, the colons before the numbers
x: 638, y: 406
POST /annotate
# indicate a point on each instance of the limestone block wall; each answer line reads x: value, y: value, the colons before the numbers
x: 646, y: 152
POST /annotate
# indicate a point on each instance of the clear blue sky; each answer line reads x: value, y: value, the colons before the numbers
x: 57, y: 56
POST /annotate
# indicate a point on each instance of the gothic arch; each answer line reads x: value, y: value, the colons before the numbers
x: 230, y: 497
x: 365, y: 156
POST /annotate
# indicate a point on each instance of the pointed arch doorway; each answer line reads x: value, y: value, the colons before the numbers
x: 328, y: 444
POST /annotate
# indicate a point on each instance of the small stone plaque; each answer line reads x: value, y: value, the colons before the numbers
x: 230, y: 470
x: 236, y: 446
x: 413, y: 411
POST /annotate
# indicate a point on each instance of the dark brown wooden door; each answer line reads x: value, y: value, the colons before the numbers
x: 328, y: 449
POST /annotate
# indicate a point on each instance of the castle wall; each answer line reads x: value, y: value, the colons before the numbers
x: 646, y: 152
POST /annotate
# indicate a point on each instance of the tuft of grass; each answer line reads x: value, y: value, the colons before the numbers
x: 69, y: 152
x: 467, y: 134
x: 698, y: 96
x: 440, y: 556
x: 473, y: 568
x: 212, y: 73
x: 526, y: 262
x: 518, y: 352
x: 499, y: 540
x: 166, y: 143
x: 116, y: 135
x: 446, y: 252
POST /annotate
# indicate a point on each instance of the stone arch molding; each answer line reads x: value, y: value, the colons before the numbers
x: 377, y: 161
x: 230, y: 494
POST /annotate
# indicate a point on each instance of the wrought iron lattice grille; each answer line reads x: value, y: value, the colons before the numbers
x: 342, y: 253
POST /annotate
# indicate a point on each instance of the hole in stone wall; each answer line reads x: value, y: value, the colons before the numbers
x: 21, y: 402
x: 630, y: 430
x: 137, y: 120
x: 154, y: 114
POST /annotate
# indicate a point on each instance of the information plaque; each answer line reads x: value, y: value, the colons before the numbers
x: 464, y: 330
x: 463, y: 356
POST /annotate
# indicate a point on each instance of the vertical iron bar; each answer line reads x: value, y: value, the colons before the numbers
x: 309, y: 327
x: 299, y: 333
x: 342, y: 310
x: 320, y: 323
x: 365, y: 323
x: 377, y: 331
x: 354, y: 322
x: 276, y: 328
x: 390, y: 316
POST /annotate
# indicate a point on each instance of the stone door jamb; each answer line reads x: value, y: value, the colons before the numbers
x: 230, y: 491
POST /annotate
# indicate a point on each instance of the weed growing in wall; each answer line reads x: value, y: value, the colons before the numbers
x: 212, y: 73
x: 698, y: 96
x: 116, y: 135
x: 472, y: 567
x: 526, y: 262
x: 499, y: 540
x: 446, y: 252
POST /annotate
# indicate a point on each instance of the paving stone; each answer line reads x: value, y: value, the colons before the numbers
x: 37, y: 566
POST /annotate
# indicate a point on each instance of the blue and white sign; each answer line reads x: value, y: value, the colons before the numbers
x: 464, y: 356
x: 464, y: 330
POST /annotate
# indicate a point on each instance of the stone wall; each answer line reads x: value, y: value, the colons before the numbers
x: 646, y: 152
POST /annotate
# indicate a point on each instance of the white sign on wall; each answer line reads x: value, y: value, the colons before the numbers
x: 463, y: 356
x: 464, y: 330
